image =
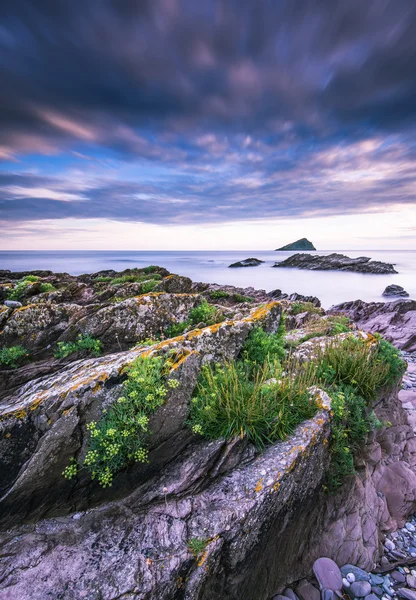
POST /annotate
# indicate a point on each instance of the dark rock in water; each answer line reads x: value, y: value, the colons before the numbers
x: 328, y: 574
x: 395, y: 290
x: 360, y: 574
x: 336, y: 262
x: 307, y: 591
x: 247, y: 262
x: 360, y: 589
x: 302, y: 244
x: 12, y: 304
x: 406, y: 593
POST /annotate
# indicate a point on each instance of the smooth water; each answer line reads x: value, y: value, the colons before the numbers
x: 331, y: 287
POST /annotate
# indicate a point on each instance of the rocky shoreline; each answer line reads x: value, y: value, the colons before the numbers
x: 201, y: 518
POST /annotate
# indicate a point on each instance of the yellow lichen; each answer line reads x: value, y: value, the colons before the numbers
x: 259, y: 485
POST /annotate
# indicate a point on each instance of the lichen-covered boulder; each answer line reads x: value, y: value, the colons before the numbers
x: 43, y: 424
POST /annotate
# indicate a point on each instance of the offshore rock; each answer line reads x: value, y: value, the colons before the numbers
x: 395, y: 290
x: 248, y: 262
x: 302, y: 244
x: 336, y: 262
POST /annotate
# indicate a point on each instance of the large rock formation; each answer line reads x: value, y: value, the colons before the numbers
x: 260, y: 518
x: 336, y: 262
x: 302, y: 244
x: 395, y: 290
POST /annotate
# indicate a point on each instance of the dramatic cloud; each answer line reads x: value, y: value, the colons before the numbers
x: 176, y: 111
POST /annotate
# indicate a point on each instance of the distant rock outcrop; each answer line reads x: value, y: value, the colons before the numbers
x: 302, y: 244
x: 395, y: 290
x: 336, y: 262
x: 247, y: 262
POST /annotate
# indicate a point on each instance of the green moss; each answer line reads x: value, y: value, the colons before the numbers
x: 31, y: 278
x: 197, y: 546
x: 47, y: 287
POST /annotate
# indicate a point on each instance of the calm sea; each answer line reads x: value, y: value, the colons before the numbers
x: 331, y: 287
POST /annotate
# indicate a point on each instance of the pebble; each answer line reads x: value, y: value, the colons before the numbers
x: 13, y: 304
x: 376, y: 579
x: 371, y: 597
x: 360, y: 589
x: 376, y: 589
x: 328, y: 575
x: 290, y: 594
x: 345, y: 583
x: 359, y: 574
x: 413, y: 572
x: 389, y: 545
x: 350, y: 577
x: 397, y: 576
x: 411, y: 581
x: 410, y: 527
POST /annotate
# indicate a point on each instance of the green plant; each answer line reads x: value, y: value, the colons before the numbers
x: 31, y: 278
x: 148, y: 286
x: 102, y: 279
x: 389, y: 355
x: 231, y: 401
x: 217, y: 294
x: 138, y: 278
x: 150, y: 269
x: 47, y: 287
x: 240, y: 298
x: 175, y: 329
x: 205, y: 313
x: 118, y: 439
x: 301, y: 307
x: 260, y: 346
x: 12, y: 357
x: 18, y: 291
x: 197, y: 546
x: 352, y: 362
x: 83, y: 342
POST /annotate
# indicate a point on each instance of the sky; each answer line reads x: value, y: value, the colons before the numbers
x: 175, y: 124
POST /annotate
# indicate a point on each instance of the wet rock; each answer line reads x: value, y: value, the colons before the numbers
x: 376, y: 579
x: 411, y: 581
x: 371, y: 597
x: 395, y: 290
x: 377, y: 590
x: 327, y: 574
x: 248, y: 262
x: 360, y: 589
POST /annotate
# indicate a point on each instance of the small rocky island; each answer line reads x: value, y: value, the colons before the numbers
x: 248, y: 262
x: 163, y: 438
x: 336, y: 262
x: 302, y: 244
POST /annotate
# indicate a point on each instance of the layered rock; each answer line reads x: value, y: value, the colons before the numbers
x: 396, y: 320
x: 336, y: 262
x: 395, y: 290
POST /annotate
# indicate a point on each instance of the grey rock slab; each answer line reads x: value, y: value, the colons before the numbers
x: 13, y: 304
x: 360, y: 589
x: 328, y: 574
